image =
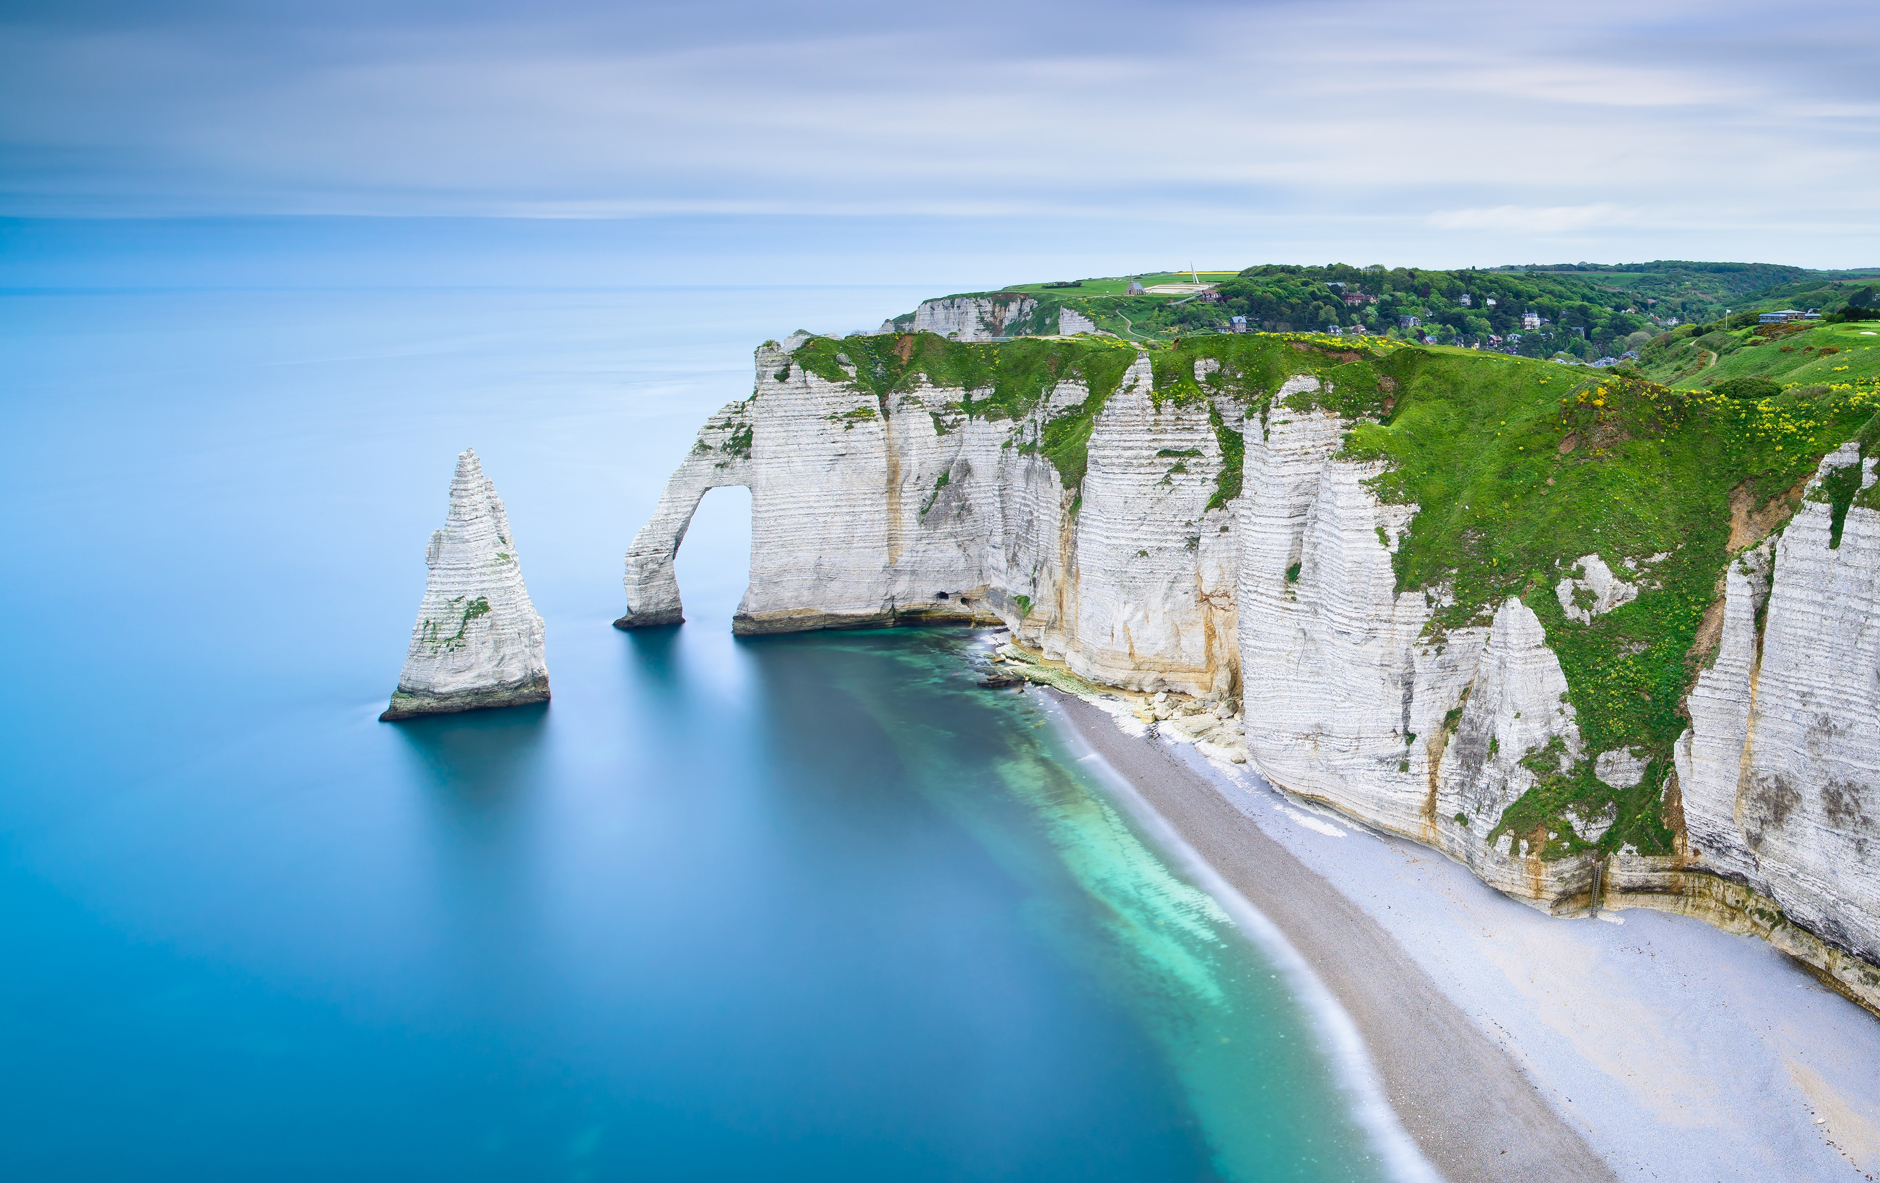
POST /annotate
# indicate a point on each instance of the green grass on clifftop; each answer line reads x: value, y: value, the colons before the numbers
x: 1522, y: 467
x: 996, y: 381
x: 1518, y: 468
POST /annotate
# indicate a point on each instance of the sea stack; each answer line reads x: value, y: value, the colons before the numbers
x: 478, y: 641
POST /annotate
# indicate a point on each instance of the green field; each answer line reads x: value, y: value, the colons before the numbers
x: 1589, y: 310
x: 1115, y: 285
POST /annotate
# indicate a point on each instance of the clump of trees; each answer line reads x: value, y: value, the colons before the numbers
x: 1584, y: 316
x: 1862, y: 305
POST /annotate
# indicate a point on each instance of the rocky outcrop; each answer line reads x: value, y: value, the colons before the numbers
x: 1149, y: 604
x: 478, y: 641
x: 974, y: 318
x: 1352, y: 700
x: 1593, y: 590
x: 1071, y: 322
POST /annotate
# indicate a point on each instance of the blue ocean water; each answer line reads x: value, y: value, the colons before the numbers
x: 799, y: 907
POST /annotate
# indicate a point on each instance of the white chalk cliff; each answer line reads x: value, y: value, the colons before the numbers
x: 1780, y: 766
x: 974, y: 318
x: 871, y: 510
x: 478, y: 641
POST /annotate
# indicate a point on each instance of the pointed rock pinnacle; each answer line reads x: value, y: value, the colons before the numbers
x: 478, y: 641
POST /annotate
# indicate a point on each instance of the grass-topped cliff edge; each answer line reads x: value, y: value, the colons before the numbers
x: 1518, y: 469
x: 1003, y: 381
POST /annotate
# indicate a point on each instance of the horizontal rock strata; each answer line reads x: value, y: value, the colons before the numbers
x: 973, y: 318
x: 1779, y: 768
x: 478, y: 641
x: 1164, y: 533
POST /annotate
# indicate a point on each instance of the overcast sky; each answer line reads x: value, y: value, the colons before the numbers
x: 1449, y: 133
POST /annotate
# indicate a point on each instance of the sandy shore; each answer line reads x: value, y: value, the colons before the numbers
x: 1513, y: 1045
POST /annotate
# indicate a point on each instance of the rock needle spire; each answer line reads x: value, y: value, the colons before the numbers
x: 478, y: 641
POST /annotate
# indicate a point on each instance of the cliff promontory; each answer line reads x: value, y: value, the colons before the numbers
x: 478, y: 641
x: 1603, y: 641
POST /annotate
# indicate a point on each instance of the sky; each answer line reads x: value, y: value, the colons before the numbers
x: 1448, y: 133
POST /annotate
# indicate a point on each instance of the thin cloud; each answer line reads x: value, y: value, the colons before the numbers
x: 1557, y: 219
x: 1365, y: 114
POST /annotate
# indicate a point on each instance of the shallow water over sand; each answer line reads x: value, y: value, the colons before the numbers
x: 788, y: 908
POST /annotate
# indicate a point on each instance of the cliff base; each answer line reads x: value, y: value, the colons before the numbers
x: 408, y: 705
x: 650, y: 620
x: 1737, y: 909
x: 767, y: 623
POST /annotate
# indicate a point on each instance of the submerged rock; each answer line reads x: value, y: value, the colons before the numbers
x: 478, y: 641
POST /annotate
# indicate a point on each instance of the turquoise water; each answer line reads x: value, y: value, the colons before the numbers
x: 802, y: 907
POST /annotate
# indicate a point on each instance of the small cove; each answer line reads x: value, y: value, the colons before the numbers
x: 792, y: 907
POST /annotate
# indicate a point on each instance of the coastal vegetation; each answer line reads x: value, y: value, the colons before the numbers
x: 1002, y: 381
x: 1710, y: 355
x: 1584, y: 310
x: 1519, y: 470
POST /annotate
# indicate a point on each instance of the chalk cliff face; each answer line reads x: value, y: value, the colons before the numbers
x: 1434, y: 735
x: 1138, y: 561
x: 974, y: 318
x: 478, y: 641
x: 1351, y: 699
x: 868, y: 514
x: 1780, y: 766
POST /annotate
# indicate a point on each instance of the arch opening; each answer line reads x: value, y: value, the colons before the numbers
x: 713, y: 563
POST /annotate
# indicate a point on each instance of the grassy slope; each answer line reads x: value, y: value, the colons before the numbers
x: 1650, y: 470
x: 1475, y: 440
x: 1116, y: 285
x: 1689, y: 358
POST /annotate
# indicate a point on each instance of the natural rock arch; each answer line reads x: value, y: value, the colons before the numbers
x: 721, y: 458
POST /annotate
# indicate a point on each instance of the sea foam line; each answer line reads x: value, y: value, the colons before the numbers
x: 1351, y: 1060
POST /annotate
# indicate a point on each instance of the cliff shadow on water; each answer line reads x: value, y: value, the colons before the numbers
x: 478, y: 756
x: 481, y: 774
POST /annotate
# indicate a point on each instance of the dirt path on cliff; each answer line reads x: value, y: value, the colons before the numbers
x: 1469, y: 1107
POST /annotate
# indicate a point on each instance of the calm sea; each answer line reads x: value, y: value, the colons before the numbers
x: 798, y: 908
